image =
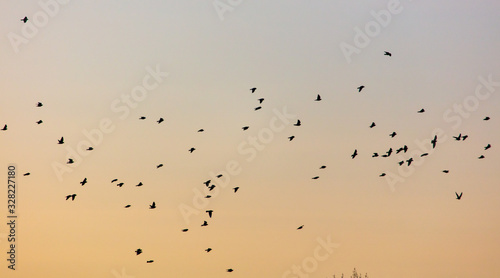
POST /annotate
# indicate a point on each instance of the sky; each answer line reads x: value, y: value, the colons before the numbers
x: 98, y: 66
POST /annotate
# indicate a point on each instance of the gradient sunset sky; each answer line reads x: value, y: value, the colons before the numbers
x: 98, y: 66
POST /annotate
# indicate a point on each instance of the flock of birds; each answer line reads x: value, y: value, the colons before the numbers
x: 211, y: 186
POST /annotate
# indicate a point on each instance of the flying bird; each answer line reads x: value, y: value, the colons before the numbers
x: 375, y: 155
x: 299, y: 228
x: 127, y: 206
x: 424, y: 154
x: 138, y: 251
x: 297, y: 123
x: 457, y: 138
x: 90, y: 149
x: 201, y: 130
x: 209, y: 213
x: 401, y: 162
x: 83, y: 182
x: 191, y: 150
x: 434, y: 141
x: 486, y: 118
x: 204, y: 224
x: 372, y: 125
x: 481, y: 157
x: 459, y: 196
x: 291, y: 138
x: 387, y: 53
x: 389, y: 152
x: 409, y: 161
x: 160, y: 120
x: 159, y: 165
x: 72, y: 196
x: 139, y: 184
x: 446, y: 171
x: 152, y: 206
x: 185, y: 230
x: 354, y: 154
x: 210, y: 188
x: 322, y: 167
x: 393, y: 134
x: 24, y: 19
x: 60, y: 141
x: 236, y: 189
x: 464, y: 137
x: 229, y: 270
x: 245, y: 127
x: 253, y: 90
x: 219, y: 176
x: 208, y: 250
x: 318, y: 98
x: 70, y: 161
x: 142, y: 118
x: 114, y: 180
x: 207, y: 183
x: 39, y: 104
x: 258, y: 108
x: 208, y: 196
x: 315, y: 178
x: 360, y: 88
x: 382, y: 175
x: 150, y: 261
x: 421, y: 110
x: 261, y: 100
x: 119, y: 184
x: 39, y: 122
x: 487, y: 147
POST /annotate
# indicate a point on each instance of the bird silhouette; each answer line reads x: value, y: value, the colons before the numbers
x: 201, y: 130
x: 210, y: 212
x: 210, y: 188
x: 150, y: 261
x: 382, y: 175
x: 127, y: 206
x: 245, y: 127
x: 139, y: 184
x: 291, y: 138
x: 90, y: 149
x: 372, y: 125
x: 409, y: 161
x: 152, y: 206
x: 459, y: 196
x: 421, y: 110
x: 393, y: 134
x: 322, y: 167
x: 434, y: 141
x: 253, y: 90
x: 159, y: 165
x: 487, y: 147
x: 26, y: 174
x: 236, y: 189
x: 401, y: 162
x: 208, y: 196
x: 160, y: 120
x: 481, y: 157
x: 70, y: 161
x: 446, y: 171
x: 300, y: 228
x: 315, y: 178
x: 229, y: 270
x: 24, y: 19
x: 297, y: 123
x: 219, y: 176
x: 457, y: 138
x: 424, y: 154
x: 60, y: 141
x: 4, y: 127
x: 191, y: 150
x: 39, y: 122
x: 138, y: 251
x: 72, y: 196
x: 258, y: 108
x: 387, y: 53
x: 112, y: 181
x: 39, y: 104
x: 204, y: 224
x: 261, y: 100
x: 318, y: 98
x: 83, y: 182
x: 486, y: 118
x: 207, y: 183
x: 119, y: 184
x: 208, y: 250
x: 464, y: 137
x: 185, y: 230
x: 360, y: 88
x: 375, y: 155
x: 389, y: 152
x: 354, y: 154
x: 142, y: 118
